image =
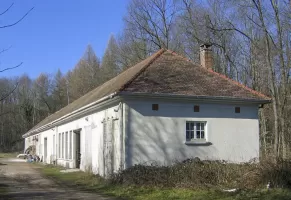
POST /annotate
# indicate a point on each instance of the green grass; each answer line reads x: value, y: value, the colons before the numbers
x: 88, y: 182
x: 3, y: 190
x: 8, y: 155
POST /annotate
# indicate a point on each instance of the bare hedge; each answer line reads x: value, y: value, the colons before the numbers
x: 196, y: 173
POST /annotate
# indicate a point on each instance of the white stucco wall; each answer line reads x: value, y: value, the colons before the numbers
x: 160, y: 135
x: 147, y: 135
x: 91, y: 137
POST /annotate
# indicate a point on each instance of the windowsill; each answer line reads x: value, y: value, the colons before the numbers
x: 198, y: 142
x: 63, y: 159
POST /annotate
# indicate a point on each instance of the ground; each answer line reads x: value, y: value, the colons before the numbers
x: 21, y: 180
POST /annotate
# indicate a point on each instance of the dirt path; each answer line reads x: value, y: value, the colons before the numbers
x: 23, y: 181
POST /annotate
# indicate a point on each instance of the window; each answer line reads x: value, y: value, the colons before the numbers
x: 54, y: 144
x: 67, y: 146
x: 237, y: 109
x: 60, y: 142
x: 196, y: 108
x: 70, y: 143
x: 155, y: 106
x: 195, y: 131
x: 63, y: 144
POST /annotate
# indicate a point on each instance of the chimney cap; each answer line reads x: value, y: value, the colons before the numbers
x: 205, y: 45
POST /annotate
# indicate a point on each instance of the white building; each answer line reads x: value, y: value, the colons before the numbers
x: 163, y: 109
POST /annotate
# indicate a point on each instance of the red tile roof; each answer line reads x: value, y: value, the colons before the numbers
x: 171, y: 73
x: 165, y: 72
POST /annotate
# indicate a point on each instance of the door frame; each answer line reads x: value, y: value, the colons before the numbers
x: 77, y: 147
x: 45, y: 149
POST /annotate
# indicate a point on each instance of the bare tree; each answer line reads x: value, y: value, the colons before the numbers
x: 152, y: 21
x: 6, y: 49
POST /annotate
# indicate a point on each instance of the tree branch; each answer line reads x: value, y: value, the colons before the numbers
x: 6, y: 26
x: 8, y: 94
x: 3, y: 50
x: 8, y: 68
x: 5, y: 11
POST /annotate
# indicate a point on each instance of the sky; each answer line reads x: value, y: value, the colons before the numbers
x: 55, y: 34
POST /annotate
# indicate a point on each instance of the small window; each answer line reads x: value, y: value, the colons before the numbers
x: 237, y: 109
x: 196, y: 108
x: 155, y: 106
x: 195, y: 131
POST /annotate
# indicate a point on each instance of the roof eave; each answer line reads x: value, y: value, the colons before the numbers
x: 82, y: 110
x: 195, y: 97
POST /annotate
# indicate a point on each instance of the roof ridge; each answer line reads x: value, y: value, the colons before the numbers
x: 155, y: 56
x: 223, y: 76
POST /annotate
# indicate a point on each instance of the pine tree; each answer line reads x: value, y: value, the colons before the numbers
x: 85, y: 76
x: 109, y: 65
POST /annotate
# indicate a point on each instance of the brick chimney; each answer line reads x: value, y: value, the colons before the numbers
x: 206, y: 58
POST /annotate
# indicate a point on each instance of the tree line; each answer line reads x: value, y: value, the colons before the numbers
x: 250, y: 41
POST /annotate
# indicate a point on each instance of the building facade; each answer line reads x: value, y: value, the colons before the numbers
x: 164, y: 109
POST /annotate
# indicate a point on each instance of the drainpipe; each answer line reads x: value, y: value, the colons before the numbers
x: 124, y: 132
x: 121, y: 135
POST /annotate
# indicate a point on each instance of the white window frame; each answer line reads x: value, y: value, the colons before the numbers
x: 71, y: 144
x: 66, y: 145
x: 60, y: 145
x: 54, y: 144
x: 194, y: 130
x: 63, y: 145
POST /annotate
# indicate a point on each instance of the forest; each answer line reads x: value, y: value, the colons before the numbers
x: 251, y: 41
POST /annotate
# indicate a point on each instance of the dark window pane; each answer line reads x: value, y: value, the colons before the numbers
x: 198, y: 134
x: 196, y: 108
x: 202, y: 126
x: 197, y: 126
x: 188, y: 135
x: 202, y: 134
x: 187, y: 126
x: 155, y: 106
x: 191, y: 126
x: 192, y: 134
x: 237, y: 109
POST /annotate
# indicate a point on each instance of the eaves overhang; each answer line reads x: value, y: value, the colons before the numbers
x: 85, y: 110
x: 221, y: 99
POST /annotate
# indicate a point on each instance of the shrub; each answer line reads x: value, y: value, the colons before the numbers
x: 195, y: 173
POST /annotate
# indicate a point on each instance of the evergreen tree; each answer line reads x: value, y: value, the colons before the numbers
x: 109, y: 65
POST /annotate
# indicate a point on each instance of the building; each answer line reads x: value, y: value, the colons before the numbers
x: 163, y: 109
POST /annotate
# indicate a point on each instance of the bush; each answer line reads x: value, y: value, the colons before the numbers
x: 275, y: 173
x: 195, y: 173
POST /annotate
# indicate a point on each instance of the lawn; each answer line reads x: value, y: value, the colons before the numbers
x: 88, y: 182
x: 8, y: 155
x: 3, y: 189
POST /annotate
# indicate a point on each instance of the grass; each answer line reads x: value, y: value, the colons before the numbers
x: 89, y: 182
x: 8, y: 155
x: 3, y: 189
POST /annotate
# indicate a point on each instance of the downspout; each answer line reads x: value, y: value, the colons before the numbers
x: 121, y: 136
x: 124, y: 121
